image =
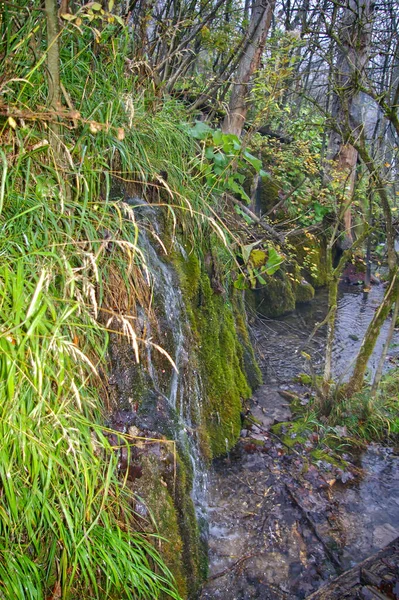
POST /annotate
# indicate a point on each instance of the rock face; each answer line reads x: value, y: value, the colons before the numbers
x: 181, y: 405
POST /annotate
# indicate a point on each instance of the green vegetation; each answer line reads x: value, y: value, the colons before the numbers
x: 220, y: 356
x: 352, y: 422
x: 73, y: 271
x: 71, y: 268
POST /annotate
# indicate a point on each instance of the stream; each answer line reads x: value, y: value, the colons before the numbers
x: 279, y: 526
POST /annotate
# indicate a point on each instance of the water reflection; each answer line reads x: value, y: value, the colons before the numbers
x: 288, y: 336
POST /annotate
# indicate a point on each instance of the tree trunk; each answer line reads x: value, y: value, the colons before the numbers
x: 373, y: 331
x: 259, y: 25
x: 378, y: 374
x: 353, y: 48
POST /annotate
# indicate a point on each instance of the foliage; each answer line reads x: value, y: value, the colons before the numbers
x: 222, y: 157
x: 258, y: 262
x: 352, y: 422
x: 73, y: 269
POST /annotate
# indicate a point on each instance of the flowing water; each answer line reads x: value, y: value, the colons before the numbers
x: 280, y: 529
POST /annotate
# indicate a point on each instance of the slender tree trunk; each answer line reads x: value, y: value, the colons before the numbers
x: 373, y: 331
x: 353, y: 49
x: 259, y: 26
x: 378, y: 374
x: 333, y: 280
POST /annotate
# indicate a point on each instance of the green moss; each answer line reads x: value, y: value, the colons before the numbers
x: 304, y: 291
x: 222, y: 359
x: 276, y: 298
x: 304, y: 378
x: 311, y: 255
x: 153, y: 489
x: 167, y: 493
x: 251, y: 367
x: 267, y: 195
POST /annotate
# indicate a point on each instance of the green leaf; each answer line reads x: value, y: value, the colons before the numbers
x: 217, y: 137
x: 246, y: 251
x: 261, y: 279
x: 209, y: 153
x: 200, y: 131
x: 252, y: 160
x: 220, y: 159
x: 241, y: 283
x: 236, y: 187
x: 273, y: 262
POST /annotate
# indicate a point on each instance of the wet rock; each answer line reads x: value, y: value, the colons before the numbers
x: 383, y: 534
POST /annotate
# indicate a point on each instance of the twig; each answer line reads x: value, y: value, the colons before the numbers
x: 233, y: 566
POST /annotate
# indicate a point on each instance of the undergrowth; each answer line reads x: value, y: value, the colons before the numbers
x: 352, y: 422
x: 71, y: 271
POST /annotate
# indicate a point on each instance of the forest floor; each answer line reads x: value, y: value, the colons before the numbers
x: 286, y: 514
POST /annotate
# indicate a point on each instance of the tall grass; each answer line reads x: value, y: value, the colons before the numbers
x: 67, y: 526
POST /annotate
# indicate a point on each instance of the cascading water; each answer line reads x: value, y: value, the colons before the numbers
x: 182, y: 385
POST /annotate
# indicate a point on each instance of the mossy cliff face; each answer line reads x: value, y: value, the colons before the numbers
x: 175, y: 419
x: 225, y: 355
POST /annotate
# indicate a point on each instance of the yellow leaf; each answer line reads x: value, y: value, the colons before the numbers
x: 78, y: 21
x: 111, y: 5
x: 258, y: 257
x: 96, y: 6
x: 68, y: 17
x: 387, y: 165
x: 12, y: 122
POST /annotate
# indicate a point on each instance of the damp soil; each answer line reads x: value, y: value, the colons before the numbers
x: 281, y: 526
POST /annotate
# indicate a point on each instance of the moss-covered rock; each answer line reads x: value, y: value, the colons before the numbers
x: 214, y: 323
x: 310, y: 253
x: 251, y: 367
x: 274, y: 299
x: 304, y: 291
x: 212, y: 326
x: 266, y: 195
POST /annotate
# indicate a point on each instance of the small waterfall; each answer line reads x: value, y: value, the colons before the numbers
x: 182, y: 387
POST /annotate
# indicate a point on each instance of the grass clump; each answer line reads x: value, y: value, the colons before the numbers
x: 72, y: 270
